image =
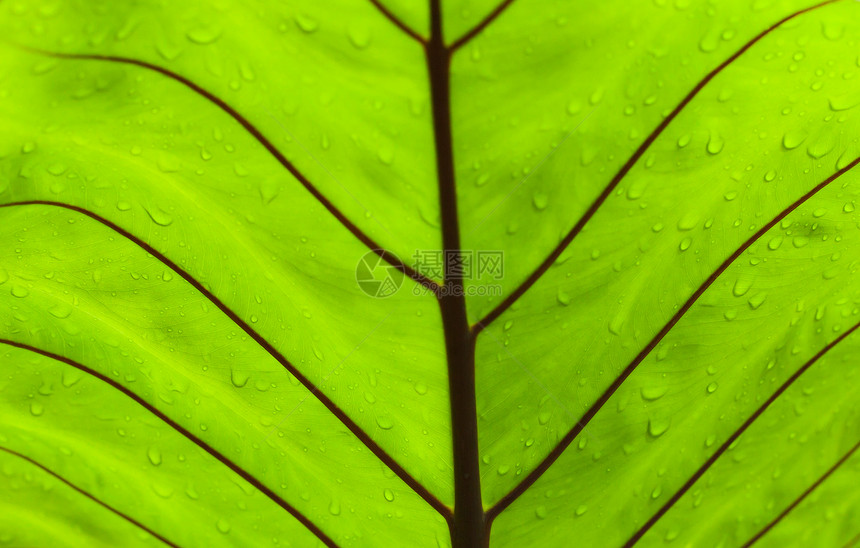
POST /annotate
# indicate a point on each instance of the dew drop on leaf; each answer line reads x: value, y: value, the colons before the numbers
x: 159, y: 216
x: 154, y: 456
x: 61, y: 311
x: 774, y: 243
x: 204, y: 35
x: 715, y: 143
x: 238, y: 378
x: 20, y: 291
x: 793, y: 139
x: 563, y: 298
x: 741, y: 287
x: 657, y: 427
x: 306, y: 24
x: 37, y: 409
x: 653, y: 393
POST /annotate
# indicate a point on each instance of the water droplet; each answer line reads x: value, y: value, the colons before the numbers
x: 420, y: 388
x: 774, y: 243
x: 563, y: 298
x: 581, y: 509
x: 540, y: 512
x: 540, y: 201
x: 715, y: 143
x: 386, y: 155
x: 334, y: 508
x: 238, y: 378
x: 741, y: 287
x: 159, y: 217
x: 385, y: 422
x: 712, y: 388
x: 657, y: 427
x: 223, y: 526
x: 359, y: 37
x: 388, y: 494
x: 793, y: 139
x: 306, y: 24
x: 204, y: 35
x: 757, y: 300
x: 653, y: 393
x: 154, y: 456
x: 61, y: 311
x: 36, y: 409
x: 20, y: 291
x: 688, y: 221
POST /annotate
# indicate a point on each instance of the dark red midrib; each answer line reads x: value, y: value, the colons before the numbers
x: 533, y: 476
x: 90, y: 496
x: 397, y: 22
x: 592, y: 210
x: 247, y: 476
x: 803, y: 495
x: 371, y: 244
x: 731, y: 439
x: 362, y: 436
x: 466, y: 525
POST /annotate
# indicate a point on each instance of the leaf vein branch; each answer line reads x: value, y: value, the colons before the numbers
x: 332, y: 407
x: 544, y: 465
x: 731, y: 439
x: 607, y: 191
x: 90, y: 496
x: 357, y: 232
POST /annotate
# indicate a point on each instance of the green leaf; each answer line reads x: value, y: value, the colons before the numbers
x: 225, y: 314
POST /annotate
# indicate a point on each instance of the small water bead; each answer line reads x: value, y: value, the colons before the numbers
x: 793, y: 139
x: 204, y: 35
x: 306, y: 24
x: 37, y: 409
x: 19, y: 291
x: 154, y: 456
x: 563, y: 298
x: 657, y: 427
